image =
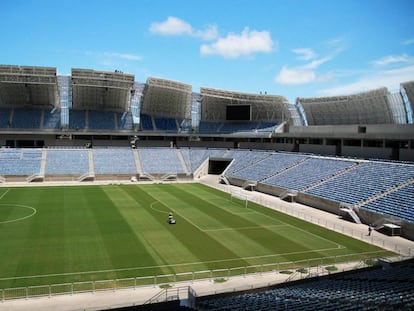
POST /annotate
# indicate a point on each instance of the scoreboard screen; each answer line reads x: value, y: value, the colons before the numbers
x: 238, y: 113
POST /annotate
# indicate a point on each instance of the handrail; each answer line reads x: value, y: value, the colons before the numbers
x: 165, y: 291
x: 90, y: 286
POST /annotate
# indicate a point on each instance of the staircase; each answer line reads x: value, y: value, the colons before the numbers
x: 349, y: 211
x: 249, y: 185
x: 289, y: 195
x: 385, y: 193
x: 169, y: 294
x: 329, y: 178
x: 137, y: 161
x: 224, y: 180
x: 90, y: 176
x: 35, y: 177
x: 183, y: 164
x: 43, y: 162
x: 285, y: 170
x: 91, y: 163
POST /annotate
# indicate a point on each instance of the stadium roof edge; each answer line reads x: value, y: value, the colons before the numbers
x: 173, y: 84
x: 227, y: 94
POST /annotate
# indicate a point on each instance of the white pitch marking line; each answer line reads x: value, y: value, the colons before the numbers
x: 1, y: 197
x: 173, y: 265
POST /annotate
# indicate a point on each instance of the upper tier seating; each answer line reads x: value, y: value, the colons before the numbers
x: 32, y: 118
x: 51, y: 119
x: 114, y: 161
x: 125, y: 121
x: 101, y: 120
x: 146, y: 123
x: 207, y: 127
x: 26, y: 118
x: 5, y: 117
x: 267, y: 126
x: 165, y: 124
x: 77, y: 119
x: 229, y: 127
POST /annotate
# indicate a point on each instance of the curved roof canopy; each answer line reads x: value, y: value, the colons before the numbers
x: 101, y: 90
x: 28, y: 86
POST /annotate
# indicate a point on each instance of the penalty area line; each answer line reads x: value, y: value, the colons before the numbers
x: 1, y: 197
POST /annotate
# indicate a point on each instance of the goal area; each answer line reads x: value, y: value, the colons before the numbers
x: 240, y: 198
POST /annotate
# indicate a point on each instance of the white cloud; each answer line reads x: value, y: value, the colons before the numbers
x: 173, y: 26
x: 295, y: 76
x: 236, y: 45
x: 133, y: 57
x: 385, y: 78
x: 317, y: 62
x: 302, y: 74
x: 408, y: 41
x: 308, y: 72
x: 210, y: 33
x: 112, y: 56
x: 305, y: 53
x: 392, y: 59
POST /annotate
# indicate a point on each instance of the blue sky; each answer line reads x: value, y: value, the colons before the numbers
x: 296, y: 48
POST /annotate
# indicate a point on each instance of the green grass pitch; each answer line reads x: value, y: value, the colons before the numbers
x: 63, y: 234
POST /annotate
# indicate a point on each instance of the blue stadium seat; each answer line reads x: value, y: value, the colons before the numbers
x: 389, y: 289
x: 101, y: 120
x: 232, y: 127
x: 5, y: 117
x: 309, y: 172
x: 245, y: 158
x: 26, y: 118
x: 397, y: 204
x: 146, y: 123
x: 77, y: 119
x: 165, y: 124
x: 269, y: 166
x: 67, y: 161
x: 125, y: 121
x: 363, y: 181
x: 209, y: 127
x: 17, y: 161
x: 51, y: 119
x: 160, y: 161
x: 114, y: 161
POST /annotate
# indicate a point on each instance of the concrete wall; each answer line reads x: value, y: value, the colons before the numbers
x: 318, y: 149
x: 379, y: 131
x: 366, y: 152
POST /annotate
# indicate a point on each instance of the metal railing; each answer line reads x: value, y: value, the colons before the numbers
x: 352, y: 261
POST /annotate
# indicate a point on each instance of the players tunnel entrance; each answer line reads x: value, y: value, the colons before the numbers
x: 216, y: 166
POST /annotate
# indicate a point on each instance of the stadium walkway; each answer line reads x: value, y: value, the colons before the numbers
x: 127, y: 297
x: 104, y: 300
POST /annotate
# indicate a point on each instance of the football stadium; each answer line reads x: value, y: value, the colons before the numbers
x: 154, y: 195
